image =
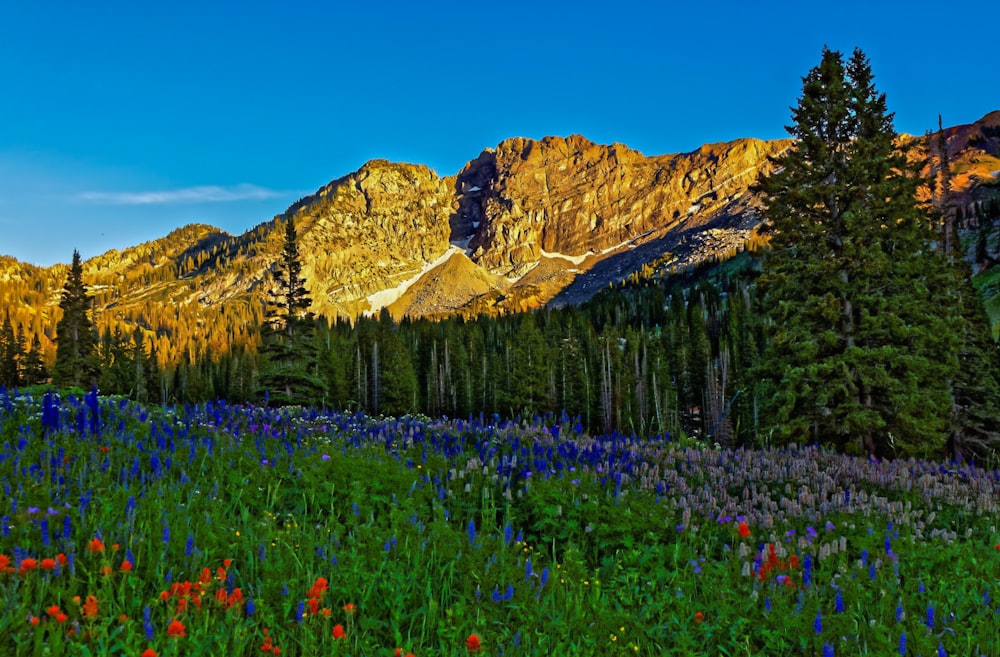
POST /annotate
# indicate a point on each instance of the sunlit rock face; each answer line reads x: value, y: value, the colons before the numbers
x: 527, y: 223
x: 574, y: 198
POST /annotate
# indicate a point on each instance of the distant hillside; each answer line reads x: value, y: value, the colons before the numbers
x: 521, y: 225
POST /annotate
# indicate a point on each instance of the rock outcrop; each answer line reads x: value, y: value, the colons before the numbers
x: 574, y: 198
x: 527, y: 223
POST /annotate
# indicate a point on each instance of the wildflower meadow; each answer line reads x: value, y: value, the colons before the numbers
x: 237, y: 530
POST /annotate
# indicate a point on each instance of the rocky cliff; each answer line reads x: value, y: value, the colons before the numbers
x: 526, y: 223
x: 568, y: 203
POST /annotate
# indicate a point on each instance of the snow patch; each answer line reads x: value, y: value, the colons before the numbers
x: 383, y: 298
x: 574, y: 259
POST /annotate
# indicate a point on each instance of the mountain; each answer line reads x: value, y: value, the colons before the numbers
x: 524, y: 224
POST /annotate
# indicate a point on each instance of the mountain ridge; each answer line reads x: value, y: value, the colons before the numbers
x: 525, y: 223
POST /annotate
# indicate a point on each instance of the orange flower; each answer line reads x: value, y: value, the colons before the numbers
x: 5, y: 566
x: 53, y: 610
x: 95, y: 545
x: 61, y: 617
x: 27, y: 565
x: 48, y: 564
x: 743, y: 530
x: 318, y: 588
x: 234, y: 599
x: 313, y: 606
x: 227, y: 562
x: 473, y: 643
x: 126, y: 566
x: 114, y: 548
x: 90, y: 607
x: 148, y: 652
x: 349, y: 608
x: 176, y: 629
x: 206, y: 575
x: 34, y: 620
x: 699, y: 617
x: 62, y: 559
x: 107, y: 571
x: 338, y: 632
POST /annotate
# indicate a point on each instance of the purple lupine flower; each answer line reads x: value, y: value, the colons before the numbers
x: 827, y: 650
x: 902, y: 643
x: 930, y: 617
x: 472, y: 532
x: 838, y: 601
x: 496, y: 594
x: 818, y: 623
x: 251, y: 607
x: 147, y: 624
x: 941, y: 651
x: 545, y: 576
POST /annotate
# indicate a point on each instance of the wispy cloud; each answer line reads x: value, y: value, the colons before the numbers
x: 185, y: 195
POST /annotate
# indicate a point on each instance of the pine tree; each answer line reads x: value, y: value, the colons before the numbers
x: 10, y: 355
x: 290, y: 373
x: 75, y: 338
x: 975, y: 417
x: 34, y: 366
x: 860, y: 346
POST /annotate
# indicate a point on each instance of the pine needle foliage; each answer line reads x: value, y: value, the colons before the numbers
x: 864, y: 325
x: 290, y: 368
x: 76, y: 363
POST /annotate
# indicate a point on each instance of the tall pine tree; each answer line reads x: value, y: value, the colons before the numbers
x: 75, y: 338
x: 290, y: 372
x: 861, y: 347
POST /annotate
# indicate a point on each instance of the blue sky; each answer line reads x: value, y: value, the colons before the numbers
x: 120, y: 121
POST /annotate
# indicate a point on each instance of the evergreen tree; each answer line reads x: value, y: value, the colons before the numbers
x: 860, y: 349
x: 975, y: 417
x: 10, y: 361
x: 290, y: 373
x: 34, y: 366
x: 75, y: 338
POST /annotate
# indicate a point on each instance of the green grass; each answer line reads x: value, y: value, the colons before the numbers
x: 423, y: 532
